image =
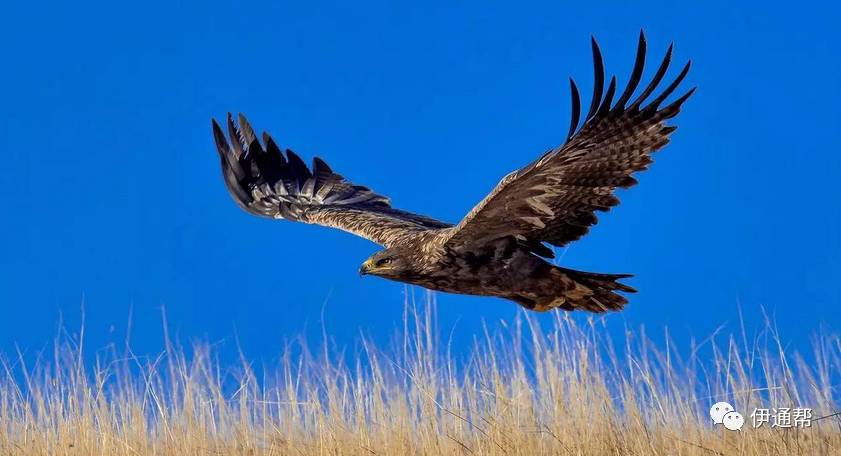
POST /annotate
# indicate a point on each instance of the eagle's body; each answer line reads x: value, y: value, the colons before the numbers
x: 498, y: 248
x: 502, y: 268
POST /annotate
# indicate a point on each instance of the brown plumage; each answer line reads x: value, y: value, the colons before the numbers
x: 498, y: 248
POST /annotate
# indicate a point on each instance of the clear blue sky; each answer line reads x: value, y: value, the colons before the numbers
x: 111, y: 190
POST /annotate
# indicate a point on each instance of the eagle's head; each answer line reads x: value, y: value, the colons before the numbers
x: 389, y: 263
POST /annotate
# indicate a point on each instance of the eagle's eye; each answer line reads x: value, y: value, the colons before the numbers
x: 383, y: 262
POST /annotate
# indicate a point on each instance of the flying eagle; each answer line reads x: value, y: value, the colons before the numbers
x: 499, y: 248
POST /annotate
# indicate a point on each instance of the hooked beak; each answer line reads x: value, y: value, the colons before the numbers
x: 365, y: 268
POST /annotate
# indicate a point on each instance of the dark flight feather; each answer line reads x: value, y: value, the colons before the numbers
x: 576, y: 108
x: 655, y: 81
x: 636, y: 73
x: 598, y: 78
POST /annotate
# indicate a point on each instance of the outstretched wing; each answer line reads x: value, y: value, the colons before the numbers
x: 264, y: 182
x: 554, y: 198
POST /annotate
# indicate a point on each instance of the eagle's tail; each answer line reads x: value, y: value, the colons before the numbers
x: 592, y: 291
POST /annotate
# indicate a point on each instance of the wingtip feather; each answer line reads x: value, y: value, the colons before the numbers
x: 636, y: 73
x: 575, y: 114
x: 245, y: 129
x: 598, y: 78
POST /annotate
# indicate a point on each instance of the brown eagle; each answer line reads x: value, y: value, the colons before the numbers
x: 499, y: 248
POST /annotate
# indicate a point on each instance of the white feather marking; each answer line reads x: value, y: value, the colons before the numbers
x: 538, y: 205
x: 358, y: 198
x: 323, y: 191
x: 534, y: 221
x: 598, y: 303
x: 308, y: 187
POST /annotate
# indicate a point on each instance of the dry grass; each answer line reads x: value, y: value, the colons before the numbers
x: 520, y: 391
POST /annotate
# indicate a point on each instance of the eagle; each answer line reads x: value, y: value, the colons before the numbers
x: 500, y: 247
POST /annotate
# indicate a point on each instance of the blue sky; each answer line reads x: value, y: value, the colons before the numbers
x: 112, y: 192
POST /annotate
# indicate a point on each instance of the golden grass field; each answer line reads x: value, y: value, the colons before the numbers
x: 565, y: 390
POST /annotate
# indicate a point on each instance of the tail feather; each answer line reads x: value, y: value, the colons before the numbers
x: 594, y: 292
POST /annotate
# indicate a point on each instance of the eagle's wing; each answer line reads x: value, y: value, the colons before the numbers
x: 264, y: 182
x: 554, y: 198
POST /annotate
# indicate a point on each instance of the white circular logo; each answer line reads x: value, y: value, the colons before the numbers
x: 718, y: 410
x: 734, y: 421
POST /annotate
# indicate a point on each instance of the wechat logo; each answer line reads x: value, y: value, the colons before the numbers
x: 724, y: 413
